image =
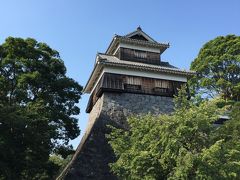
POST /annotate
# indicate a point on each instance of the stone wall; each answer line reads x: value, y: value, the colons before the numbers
x: 94, y: 153
x: 119, y: 106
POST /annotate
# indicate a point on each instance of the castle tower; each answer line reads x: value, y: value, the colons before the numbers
x: 129, y: 78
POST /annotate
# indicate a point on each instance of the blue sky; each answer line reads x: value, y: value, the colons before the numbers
x: 79, y: 29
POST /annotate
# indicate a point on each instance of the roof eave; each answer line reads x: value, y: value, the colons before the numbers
x: 111, y: 44
x: 170, y: 71
x: 96, y: 69
x: 142, y: 33
x: 101, y: 63
x: 119, y: 39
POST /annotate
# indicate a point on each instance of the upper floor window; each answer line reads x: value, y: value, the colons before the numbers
x: 162, y: 84
x: 140, y: 54
x: 133, y: 80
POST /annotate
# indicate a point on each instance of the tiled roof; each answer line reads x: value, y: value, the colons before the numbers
x: 164, y: 67
x: 140, y: 32
x: 104, y: 60
x: 117, y: 39
x: 124, y: 38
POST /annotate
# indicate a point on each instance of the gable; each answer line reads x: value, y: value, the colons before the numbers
x: 140, y: 35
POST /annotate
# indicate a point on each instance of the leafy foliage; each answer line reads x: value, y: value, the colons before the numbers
x: 59, y: 161
x: 37, y: 104
x: 183, y: 145
x: 218, y: 68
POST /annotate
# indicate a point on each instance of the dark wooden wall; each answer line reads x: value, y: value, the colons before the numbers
x: 139, y: 56
x: 133, y: 84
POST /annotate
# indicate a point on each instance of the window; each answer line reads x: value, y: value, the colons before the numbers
x: 162, y: 84
x: 162, y: 87
x: 133, y: 83
x: 133, y: 80
x: 140, y: 54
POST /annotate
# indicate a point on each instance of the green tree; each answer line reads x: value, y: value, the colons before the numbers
x: 59, y: 161
x: 183, y: 145
x: 218, y: 68
x: 222, y: 158
x: 37, y: 108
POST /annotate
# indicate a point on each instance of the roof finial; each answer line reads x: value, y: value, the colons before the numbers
x: 139, y: 28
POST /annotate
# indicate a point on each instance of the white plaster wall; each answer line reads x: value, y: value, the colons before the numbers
x: 139, y: 47
x: 157, y: 75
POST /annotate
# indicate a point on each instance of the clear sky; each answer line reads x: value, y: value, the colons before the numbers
x: 79, y: 29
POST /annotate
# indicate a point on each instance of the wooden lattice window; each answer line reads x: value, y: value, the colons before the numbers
x: 133, y: 83
x: 134, y: 80
x: 162, y: 84
x: 140, y: 54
